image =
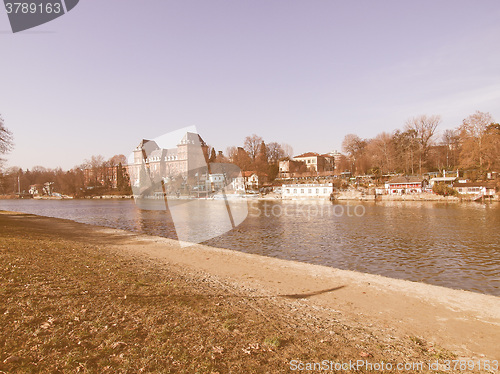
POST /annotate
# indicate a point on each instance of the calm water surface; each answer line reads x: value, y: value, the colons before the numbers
x: 452, y: 245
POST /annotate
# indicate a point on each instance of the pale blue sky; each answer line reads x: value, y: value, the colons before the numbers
x: 109, y: 73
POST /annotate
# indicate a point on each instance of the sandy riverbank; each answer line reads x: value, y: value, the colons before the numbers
x: 80, y: 296
x: 465, y: 322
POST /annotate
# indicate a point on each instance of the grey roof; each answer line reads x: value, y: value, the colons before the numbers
x: 156, y: 153
x: 171, y: 152
x: 147, y: 145
x: 192, y: 138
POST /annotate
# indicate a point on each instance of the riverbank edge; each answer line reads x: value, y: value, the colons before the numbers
x: 463, y: 322
x: 339, y: 198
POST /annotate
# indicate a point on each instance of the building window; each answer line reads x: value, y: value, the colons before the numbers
x: 301, y: 190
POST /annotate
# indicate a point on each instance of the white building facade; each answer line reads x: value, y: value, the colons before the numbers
x: 306, y: 191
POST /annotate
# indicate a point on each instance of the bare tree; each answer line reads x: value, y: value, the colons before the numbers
x: 405, y: 147
x: 6, y: 139
x: 6, y: 144
x: 425, y: 129
x: 355, y: 147
x: 95, y: 162
x: 117, y: 160
x: 275, y: 152
x: 231, y: 152
x: 352, y: 144
x: 381, y: 151
x: 451, y: 141
x: 475, y: 135
x: 252, y: 144
x: 287, y: 150
x: 94, y: 168
x: 492, y: 146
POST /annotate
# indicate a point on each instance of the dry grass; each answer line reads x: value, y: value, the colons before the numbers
x: 69, y: 305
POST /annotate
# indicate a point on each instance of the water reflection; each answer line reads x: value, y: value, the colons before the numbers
x: 453, y: 245
x: 159, y: 219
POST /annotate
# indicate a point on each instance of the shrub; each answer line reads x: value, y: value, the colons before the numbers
x: 443, y: 189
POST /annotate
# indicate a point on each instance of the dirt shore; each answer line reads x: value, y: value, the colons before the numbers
x: 81, y: 298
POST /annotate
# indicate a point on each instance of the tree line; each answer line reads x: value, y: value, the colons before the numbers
x: 474, y: 145
x: 96, y: 176
x: 255, y: 155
